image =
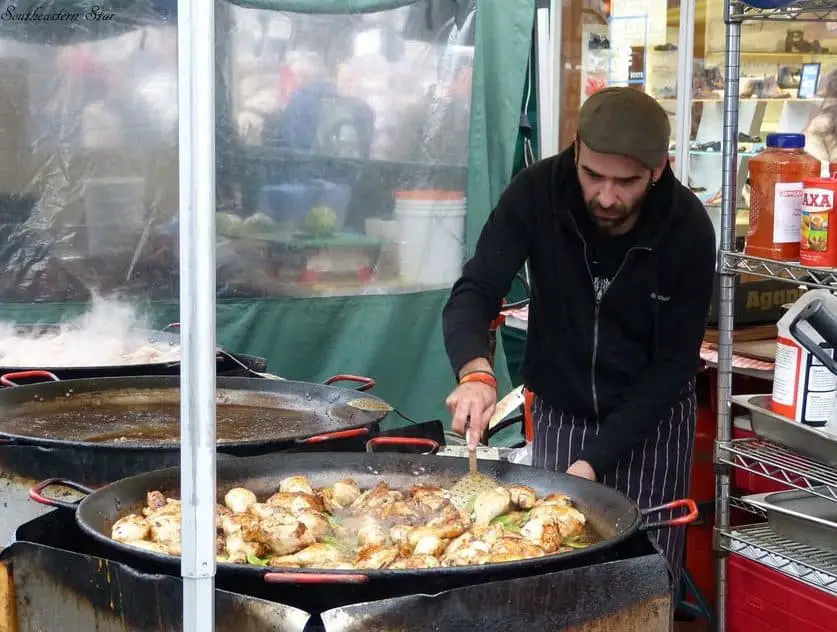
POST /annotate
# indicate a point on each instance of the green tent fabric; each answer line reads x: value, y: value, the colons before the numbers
x: 396, y: 338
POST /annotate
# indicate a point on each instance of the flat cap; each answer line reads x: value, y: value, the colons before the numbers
x: 625, y: 121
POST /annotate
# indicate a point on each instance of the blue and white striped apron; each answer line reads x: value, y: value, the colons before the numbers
x: 652, y: 474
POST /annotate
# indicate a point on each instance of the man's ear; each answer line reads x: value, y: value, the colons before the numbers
x: 656, y: 173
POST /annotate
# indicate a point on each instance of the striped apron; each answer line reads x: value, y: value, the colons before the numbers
x: 654, y: 473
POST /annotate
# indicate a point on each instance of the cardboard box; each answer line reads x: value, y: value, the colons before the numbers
x: 757, y: 301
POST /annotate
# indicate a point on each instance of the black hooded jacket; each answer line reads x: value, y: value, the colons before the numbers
x: 623, y: 359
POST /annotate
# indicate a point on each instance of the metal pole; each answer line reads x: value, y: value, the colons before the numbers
x: 196, y: 103
x: 556, y: 67
x: 726, y: 296
x: 546, y: 135
x: 685, y: 62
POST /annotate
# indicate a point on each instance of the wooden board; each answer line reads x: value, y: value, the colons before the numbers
x: 757, y: 349
x: 8, y: 604
x: 744, y: 334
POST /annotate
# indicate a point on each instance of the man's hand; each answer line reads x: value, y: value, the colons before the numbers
x: 582, y: 469
x: 475, y: 400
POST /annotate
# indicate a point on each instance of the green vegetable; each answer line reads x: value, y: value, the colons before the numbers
x: 508, y: 522
x: 330, y: 540
x: 333, y: 522
x: 256, y: 561
x: 574, y: 543
x: 321, y: 221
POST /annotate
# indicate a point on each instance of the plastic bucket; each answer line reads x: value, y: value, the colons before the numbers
x: 430, y: 243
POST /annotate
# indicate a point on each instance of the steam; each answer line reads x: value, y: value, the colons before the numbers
x: 110, y: 333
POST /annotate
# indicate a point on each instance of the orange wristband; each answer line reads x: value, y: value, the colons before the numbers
x: 483, y: 377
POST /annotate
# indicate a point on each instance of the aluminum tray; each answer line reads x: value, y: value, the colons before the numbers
x: 800, y: 517
x: 768, y: 426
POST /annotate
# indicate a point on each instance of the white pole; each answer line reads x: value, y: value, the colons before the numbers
x: 543, y: 54
x: 685, y: 61
x: 556, y: 67
x: 196, y: 102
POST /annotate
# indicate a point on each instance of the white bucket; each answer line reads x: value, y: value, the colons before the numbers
x: 430, y: 243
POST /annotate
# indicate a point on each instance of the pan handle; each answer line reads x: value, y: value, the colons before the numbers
x: 8, y: 378
x: 36, y: 493
x: 431, y: 445
x: 315, y: 578
x: 333, y: 436
x: 685, y: 519
x: 366, y: 383
x: 171, y: 326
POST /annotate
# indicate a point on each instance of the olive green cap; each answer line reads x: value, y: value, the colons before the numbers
x: 627, y: 122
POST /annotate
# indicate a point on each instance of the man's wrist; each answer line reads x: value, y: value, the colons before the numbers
x: 477, y: 364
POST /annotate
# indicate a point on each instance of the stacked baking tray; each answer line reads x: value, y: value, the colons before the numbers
x: 805, y: 516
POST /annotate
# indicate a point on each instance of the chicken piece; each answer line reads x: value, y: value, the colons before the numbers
x: 316, y: 555
x: 263, y: 511
x: 171, y: 508
x: 340, y: 495
x: 145, y: 545
x: 444, y: 532
x: 489, y: 534
x: 415, y: 561
x: 130, y: 528
x: 375, y: 498
x: 429, y: 545
x: 296, y: 503
x: 429, y: 500
x: 466, y: 553
x: 490, y: 504
x: 155, y: 500
x: 220, y: 512
x: 545, y: 535
x: 317, y: 523
x: 399, y: 535
x: 239, y: 499
x: 400, y: 512
x: 296, y: 485
x: 284, y: 538
x: 522, y: 496
x: 245, y: 524
x: 370, y: 532
x: 561, y: 500
x: 376, y: 557
x: 570, y: 521
x: 220, y: 545
x: 165, y: 530
x: 237, y: 549
x: 512, y: 549
x: 446, y: 514
x: 337, y: 566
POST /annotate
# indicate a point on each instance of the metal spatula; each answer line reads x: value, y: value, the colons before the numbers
x: 467, y: 488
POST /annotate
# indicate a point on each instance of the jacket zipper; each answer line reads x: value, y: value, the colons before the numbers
x: 596, y: 309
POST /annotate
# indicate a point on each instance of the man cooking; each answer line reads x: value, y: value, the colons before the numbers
x: 622, y: 258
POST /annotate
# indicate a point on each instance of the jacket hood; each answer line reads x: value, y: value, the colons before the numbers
x: 661, y: 208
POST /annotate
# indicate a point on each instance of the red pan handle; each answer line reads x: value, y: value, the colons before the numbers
x: 366, y: 383
x: 171, y: 326
x: 685, y: 519
x: 314, y: 578
x: 36, y: 493
x: 431, y: 445
x: 7, y: 379
x: 332, y: 436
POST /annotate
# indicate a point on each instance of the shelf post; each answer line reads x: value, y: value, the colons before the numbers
x: 726, y: 292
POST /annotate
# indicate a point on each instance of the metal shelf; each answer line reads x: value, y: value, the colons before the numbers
x: 760, y: 544
x: 799, y: 10
x: 783, y: 271
x: 740, y: 503
x: 780, y: 465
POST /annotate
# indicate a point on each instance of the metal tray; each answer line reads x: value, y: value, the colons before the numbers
x: 800, y: 517
x: 768, y: 426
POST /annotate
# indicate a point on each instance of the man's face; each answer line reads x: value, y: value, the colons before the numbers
x: 613, y: 187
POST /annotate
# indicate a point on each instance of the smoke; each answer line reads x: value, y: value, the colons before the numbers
x: 110, y: 333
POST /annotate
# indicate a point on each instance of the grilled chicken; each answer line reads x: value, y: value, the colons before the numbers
x: 512, y: 549
x: 165, y: 531
x: 414, y: 562
x: 318, y: 555
x: 155, y: 500
x: 370, y: 532
x: 490, y: 504
x: 284, y: 538
x: 296, y: 485
x: 543, y: 534
x: 245, y: 524
x: 296, y: 503
x: 340, y: 495
x: 570, y: 521
x: 372, y: 502
x: 239, y: 500
x: 522, y: 496
x: 429, y: 545
x: 130, y: 529
x: 376, y: 557
x: 236, y: 549
x: 263, y: 510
